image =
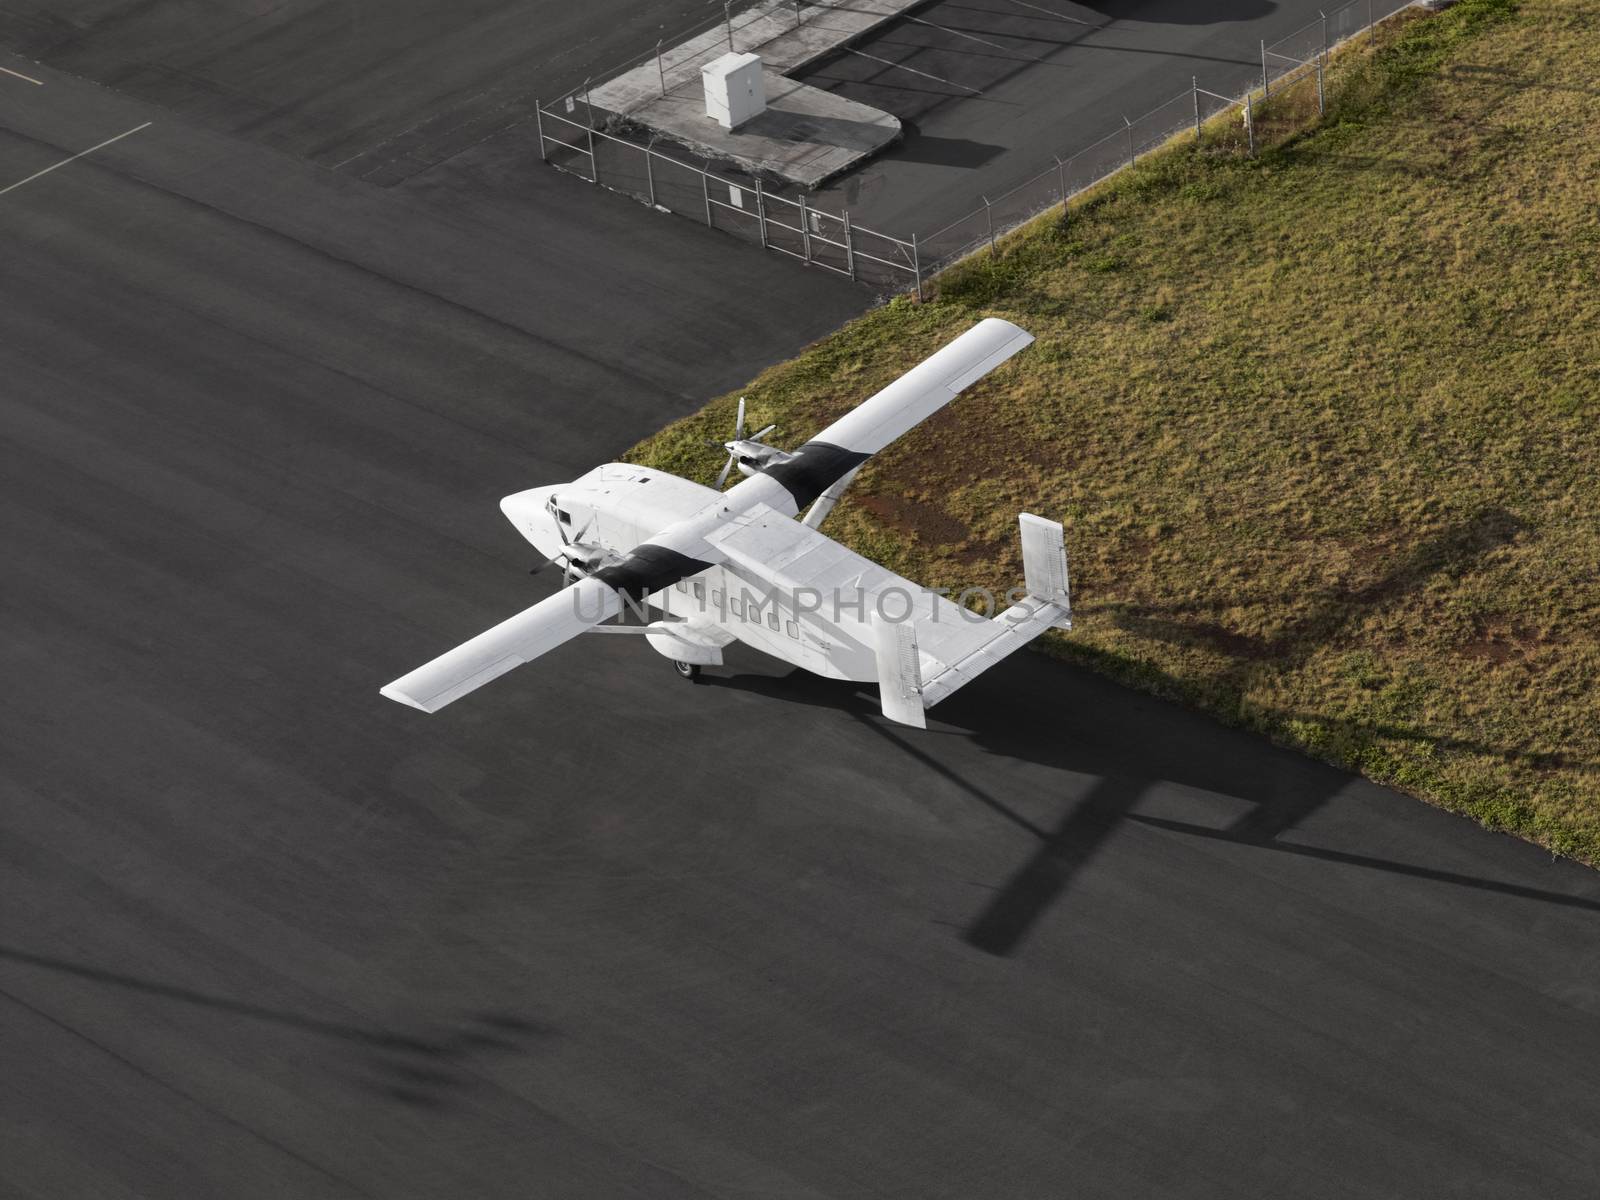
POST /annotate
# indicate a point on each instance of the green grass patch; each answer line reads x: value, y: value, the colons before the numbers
x: 1321, y: 425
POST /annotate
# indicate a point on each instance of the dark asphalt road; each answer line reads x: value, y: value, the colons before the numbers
x: 596, y: 932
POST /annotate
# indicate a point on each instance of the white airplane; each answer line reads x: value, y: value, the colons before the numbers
x: 703, y: 568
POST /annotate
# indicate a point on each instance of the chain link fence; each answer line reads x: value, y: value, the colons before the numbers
x: 571, y: 139
x: 745, y: 206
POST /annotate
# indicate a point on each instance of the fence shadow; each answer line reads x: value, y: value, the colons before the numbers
x: 419, y: 1068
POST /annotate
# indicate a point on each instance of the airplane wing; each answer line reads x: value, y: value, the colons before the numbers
x: 905, y: 403
x: 532, y: 632
x: 538, y: 630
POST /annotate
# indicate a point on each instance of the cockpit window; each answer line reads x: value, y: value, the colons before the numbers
x: 564, y: 516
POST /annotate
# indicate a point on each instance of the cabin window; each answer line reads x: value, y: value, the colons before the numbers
x: 683, y: 585
x: 699, y: 590
x: 792, y: 629
x: 772, y: 619
x: 717, y: 599
x: 736, y: 606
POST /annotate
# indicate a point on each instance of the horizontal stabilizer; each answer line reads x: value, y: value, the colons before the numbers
x: 1012, y: 630
x: 1048, y: 604
x: 524, y: 637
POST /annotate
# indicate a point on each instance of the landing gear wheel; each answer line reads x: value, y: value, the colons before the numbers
x: 689, y: 671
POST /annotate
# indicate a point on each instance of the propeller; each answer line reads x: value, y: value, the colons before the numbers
x: 569, y: 544
x: 739, y: 445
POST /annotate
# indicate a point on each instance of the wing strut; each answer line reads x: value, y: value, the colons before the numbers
x: 825, y: 502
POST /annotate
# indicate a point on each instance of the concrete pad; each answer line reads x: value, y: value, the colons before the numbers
x: 807, y: 135
x: 771, y: 29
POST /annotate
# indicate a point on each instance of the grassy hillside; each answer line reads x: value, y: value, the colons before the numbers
x: 1322, y: 426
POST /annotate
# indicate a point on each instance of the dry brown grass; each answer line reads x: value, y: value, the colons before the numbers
x: 1322, y: 426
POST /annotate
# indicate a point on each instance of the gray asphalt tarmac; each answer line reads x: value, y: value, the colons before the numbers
x: 341, y: 80
x: 990, y: 90
x: 597, y: 932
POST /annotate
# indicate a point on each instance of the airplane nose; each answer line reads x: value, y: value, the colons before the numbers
x: 520, y: 505
x: 526, y: 510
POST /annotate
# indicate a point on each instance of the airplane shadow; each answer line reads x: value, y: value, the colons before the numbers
x: 1002, y: 713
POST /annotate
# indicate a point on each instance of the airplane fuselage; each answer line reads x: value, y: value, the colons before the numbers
x: 602, y: 517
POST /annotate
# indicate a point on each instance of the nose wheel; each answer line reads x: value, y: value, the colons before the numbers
x: 689, y: 671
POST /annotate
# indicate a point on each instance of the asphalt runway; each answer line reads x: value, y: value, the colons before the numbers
x: 597, y: 932
x: 339, y: 80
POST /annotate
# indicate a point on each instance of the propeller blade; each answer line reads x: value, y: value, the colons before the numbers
x: 722, y: 475
x: 756, y: 437
x: 738, y: 426
x: 564, y: 557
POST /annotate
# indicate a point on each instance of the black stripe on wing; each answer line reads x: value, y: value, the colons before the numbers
x: 649, y: 568
x: 814, y: 468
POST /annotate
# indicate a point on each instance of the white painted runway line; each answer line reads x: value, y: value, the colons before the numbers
x: 13, y: 187
x: 1060, y: 16
x: 20, y: 75
x: 899, y: 67
x: 971, y: 37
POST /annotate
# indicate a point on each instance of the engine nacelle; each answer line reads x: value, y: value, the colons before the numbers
x: 752, y: 458
x: 701, y: 654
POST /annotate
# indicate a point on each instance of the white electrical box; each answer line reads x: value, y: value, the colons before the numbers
x: 735, y: 91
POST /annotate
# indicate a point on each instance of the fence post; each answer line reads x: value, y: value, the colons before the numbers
x: 1194, y: 88
x: 1372, y: 24
x: 588, y: 108
x: 805, y: 227
x: 1250, y: 122
x: 1061, y: 180
x: 660, y: 70
x: 538, y: 117
x: 594, y: 161
x: 988, y: 211
x: 1324, y: 17
x: 849, y: 246
x: 761, y: 212
x: 727, y: 17
x: 1322, y: 103
x: 1131, y: 158
x: 916, y: 266
x: 1266, y: 84
x: 797, y: 14
x: 649, y: 170
x: 705, y: 191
